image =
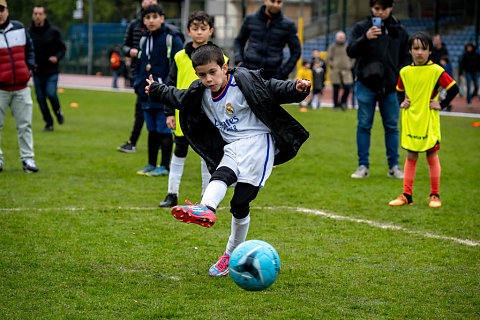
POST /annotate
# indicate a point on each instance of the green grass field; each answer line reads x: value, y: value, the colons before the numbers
x: 84, y: 239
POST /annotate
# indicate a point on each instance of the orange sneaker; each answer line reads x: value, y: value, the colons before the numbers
x: 435, y: 201
x: 400, y: 201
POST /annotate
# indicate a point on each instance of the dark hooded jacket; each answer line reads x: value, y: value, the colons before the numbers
x: 470, y: 61
x: 158, y: 61
x: 134, y: 33
x: 264, y: 98
x: 267, y: 37
x: 379, y: 61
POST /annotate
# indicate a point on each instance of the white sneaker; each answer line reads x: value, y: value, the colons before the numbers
x: 395, y: 172
x: 362, y: 172
x: 28, y: 166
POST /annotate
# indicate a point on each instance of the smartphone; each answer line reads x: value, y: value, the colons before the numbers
x: 377, y: 22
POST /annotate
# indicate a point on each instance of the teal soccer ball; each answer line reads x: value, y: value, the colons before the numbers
x: 254, y: 265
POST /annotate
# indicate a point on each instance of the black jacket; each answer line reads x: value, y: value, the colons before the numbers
x: 437, y: 54
x: 378, y: 61
x: 469, y: 62
x: 47, y: 42
x: 172, y: 75
x: 264, y: 98
x: 266, y: 39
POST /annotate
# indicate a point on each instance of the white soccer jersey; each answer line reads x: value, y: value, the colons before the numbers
x: 231, y: 114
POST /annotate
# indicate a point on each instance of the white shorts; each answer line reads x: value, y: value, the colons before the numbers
x: 251, y: 158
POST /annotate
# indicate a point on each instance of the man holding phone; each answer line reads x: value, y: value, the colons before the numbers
x: 379, y: 45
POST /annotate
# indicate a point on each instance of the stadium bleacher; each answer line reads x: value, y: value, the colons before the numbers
x: 454, y: 40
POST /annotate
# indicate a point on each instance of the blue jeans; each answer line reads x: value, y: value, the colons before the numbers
x: 471, y: 77
x: 115, y: 74
x: 389, y: 110
x: 156, y: 120
x: 46, y: 87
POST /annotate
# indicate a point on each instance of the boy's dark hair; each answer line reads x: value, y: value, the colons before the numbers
x: 424, y: 39
x: 207, y: 53
x: 153, y: 8
x: 446, y: 58
x: 200, y: 16
x: 383, y: 3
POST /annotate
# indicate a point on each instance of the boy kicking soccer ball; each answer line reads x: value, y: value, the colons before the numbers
x: 234, y: 121
x: 418, y: 87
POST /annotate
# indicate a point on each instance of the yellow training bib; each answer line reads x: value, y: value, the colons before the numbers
x: 420, y: 124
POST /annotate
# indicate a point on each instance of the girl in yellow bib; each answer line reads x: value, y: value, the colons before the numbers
x: 418, y: 88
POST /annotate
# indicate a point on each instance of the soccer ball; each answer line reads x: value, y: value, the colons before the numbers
x: 254, y: 265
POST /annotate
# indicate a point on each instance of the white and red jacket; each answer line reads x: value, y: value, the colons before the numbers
x: 17, y: 57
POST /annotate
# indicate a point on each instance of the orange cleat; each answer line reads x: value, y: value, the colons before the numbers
x: 400, y: 201
x: 435, y: 201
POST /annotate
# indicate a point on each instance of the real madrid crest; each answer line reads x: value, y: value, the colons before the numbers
x: 229, y: 109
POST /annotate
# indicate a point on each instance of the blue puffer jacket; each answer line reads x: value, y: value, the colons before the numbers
x: 267, y: 36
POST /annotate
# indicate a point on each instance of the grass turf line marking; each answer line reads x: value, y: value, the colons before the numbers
x: 372, y: 223
x: 376, y: 224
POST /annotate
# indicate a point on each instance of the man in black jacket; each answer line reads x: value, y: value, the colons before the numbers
x: 261, y: 39
x: 380, y: 52
x: 49, y: 50
x: 439, y: 49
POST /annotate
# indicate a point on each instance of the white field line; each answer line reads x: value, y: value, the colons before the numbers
x: 372, y: 223
x: 376, y: 224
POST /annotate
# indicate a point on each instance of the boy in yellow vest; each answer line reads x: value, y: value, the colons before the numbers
x: 305, y: 72
x: 418, y: 89
x: 182, y: 74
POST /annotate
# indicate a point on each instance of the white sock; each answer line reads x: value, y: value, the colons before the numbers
x: 238, y: 233
x: 175, y: 175
x: 205, y: 175
x: 214, y: 193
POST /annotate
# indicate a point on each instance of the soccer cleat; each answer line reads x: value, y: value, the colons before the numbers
x: 395, y: 172
x: 220, y: 269
x: 29, y: 166
x: 171, y: 200
x: 194, y: 213
x: 48, y: 128
x: 158, y: 171
x: 1, y: 165
x: 146, y: 170
x: 400, y: 201
x: 128, y: 148
x: 362, y: 172
x: 435, y: 201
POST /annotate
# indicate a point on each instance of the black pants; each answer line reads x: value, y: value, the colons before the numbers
x: 138, y: 122
x: 346, y: 92
x: 181, y: 146
x: 162, y: 141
